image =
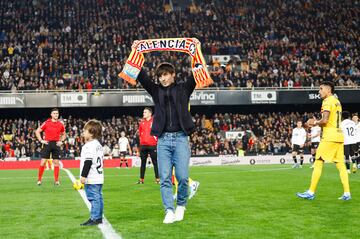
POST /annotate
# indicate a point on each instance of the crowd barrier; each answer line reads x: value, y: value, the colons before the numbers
x: 136, y: 162
x: 200, y: 97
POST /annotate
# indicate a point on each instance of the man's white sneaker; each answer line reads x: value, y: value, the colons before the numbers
x: 179, y: 213
x: 169, y: 217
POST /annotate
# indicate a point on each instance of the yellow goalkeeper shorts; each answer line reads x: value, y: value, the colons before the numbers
x: 330, y: 151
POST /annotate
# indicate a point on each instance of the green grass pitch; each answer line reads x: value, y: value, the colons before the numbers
x: 232, y: 202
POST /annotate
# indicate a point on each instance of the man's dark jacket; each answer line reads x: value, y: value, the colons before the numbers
x: 181, y: 92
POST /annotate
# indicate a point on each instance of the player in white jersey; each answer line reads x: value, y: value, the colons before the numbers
x: 356, y: 159
x: 91, y: 170
x: 350, y: 138
x: 297, y: 141
x: 124, y: 146
x: 315, y: 135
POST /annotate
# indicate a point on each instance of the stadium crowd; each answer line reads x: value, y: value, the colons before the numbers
x: 266, y: 133
x: 65, y: 44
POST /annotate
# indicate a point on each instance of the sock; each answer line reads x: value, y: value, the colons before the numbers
x: 347, y: 163
x: 355, y: 157
x: 56, y: 173
x: 294, y: 158
x: 343, y: 176
x: 318, y: 166
x: 312, y: 160
x: 310, y: 192
x: 41, y: 172
x: 141, y: 180
x: 301, y: 160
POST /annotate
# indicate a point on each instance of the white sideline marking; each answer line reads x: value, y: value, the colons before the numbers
x: 106, y: 229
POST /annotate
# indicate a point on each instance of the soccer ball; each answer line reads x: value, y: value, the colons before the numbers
x: 78, y: 185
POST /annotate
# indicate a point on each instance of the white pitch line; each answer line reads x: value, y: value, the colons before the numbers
x: 105, y: 227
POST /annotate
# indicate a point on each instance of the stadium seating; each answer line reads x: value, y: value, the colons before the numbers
x: 262, y: 133
x: 64, y: 44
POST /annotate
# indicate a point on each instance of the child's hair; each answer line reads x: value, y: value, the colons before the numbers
x: 94, y: 127
x: 163, y: 68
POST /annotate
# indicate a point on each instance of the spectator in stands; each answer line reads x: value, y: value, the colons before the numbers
x: 17, y: 153
x: 115, y: 153
x: 45, y: 54
x: 272, y: 130
x: 107, y: 150
x: 1, y: 153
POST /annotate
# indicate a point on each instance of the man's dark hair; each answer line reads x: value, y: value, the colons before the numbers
x: 94, y: 127
x: 330, y: 84
x: 299, y: 120
x: 345, y: 114
x: 54, y: 109
x: 149, y: 109
x: 164, y: 68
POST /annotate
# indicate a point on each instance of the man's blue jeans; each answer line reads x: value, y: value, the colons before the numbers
x: 94, y: 195
x: 173, y: 151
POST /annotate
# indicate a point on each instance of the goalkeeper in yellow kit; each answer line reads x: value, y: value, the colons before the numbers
x: 331, y: 147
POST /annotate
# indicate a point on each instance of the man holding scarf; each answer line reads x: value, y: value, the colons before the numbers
x: 172, y: 122
x: 172, y: 125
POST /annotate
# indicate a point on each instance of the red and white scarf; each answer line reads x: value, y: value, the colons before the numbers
x: 190, y: 46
